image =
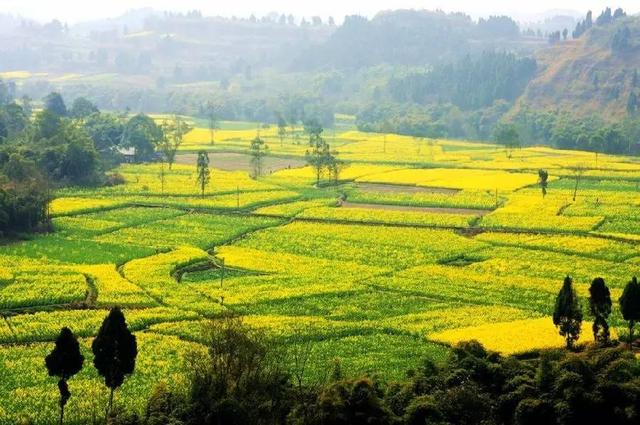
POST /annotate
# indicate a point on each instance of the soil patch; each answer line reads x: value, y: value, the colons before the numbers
x: 231, y: 161
x: 460, y: 211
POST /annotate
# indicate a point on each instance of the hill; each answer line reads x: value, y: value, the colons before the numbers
x: 593, y: 74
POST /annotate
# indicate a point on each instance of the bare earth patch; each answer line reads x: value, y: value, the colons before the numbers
x: 397, y: 188
x: 461, y: 211
x: 231, y: 161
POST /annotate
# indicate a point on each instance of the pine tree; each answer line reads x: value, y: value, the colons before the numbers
x: 115, y: 350
x: 600, y: 307
x: 630, y: 305
x: 64, y: 361
x: 567, y: 315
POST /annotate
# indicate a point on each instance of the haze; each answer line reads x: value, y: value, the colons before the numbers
x: 80, y: 10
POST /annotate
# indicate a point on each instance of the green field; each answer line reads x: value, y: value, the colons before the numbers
x: 416, y: 257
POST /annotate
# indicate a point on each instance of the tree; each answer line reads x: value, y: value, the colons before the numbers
x: 600, y: 307
x: 567, y: 315
x: 386, y: 128
x: 632, y: 103
x: 142, y: 134
x: 577, y: 172
x: 173, y: 133
x: 212, y: 121
x: 507, y: 135
x: 282, y: 129
x: 64, y: 361
x: 239, y: 379
x: 204, y: 175
x: 319, y: 154
x: 82, y: 108
x: 630, y: 305
x: 55, y: 104
x: 257, y: 152
x: 115, y: 350
x: 565, y: 33
x: 14, y: 118
x: 543, y: 177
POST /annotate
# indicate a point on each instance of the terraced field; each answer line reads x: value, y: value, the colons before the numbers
x: 481, y: 254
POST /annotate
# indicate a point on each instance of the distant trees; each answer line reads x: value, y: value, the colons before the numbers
x: 282, y: 129
x: 621, y: 41
x: 142, y: 134
x: 64, y: 361
x: 630, y: 305
x: 54, y: 104
x: 567, y: 314
x: 600, y: 308
x: 82, y: 108
x: 507, y: 135
x: 115, y: 351
x: 499, y: 26
x: 468, y: 83
x: 605, y: 18
x: 211, y: 111
x: 202, y: 171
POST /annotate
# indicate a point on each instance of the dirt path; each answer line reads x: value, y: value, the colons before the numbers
x: 231, y: 161
x: 460, y: 211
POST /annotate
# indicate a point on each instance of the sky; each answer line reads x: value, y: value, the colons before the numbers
x: 73, y: 11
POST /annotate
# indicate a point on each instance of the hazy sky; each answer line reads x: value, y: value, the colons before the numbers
x: 76, y: 10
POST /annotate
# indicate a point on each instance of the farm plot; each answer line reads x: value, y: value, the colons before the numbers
x: 379, y: 286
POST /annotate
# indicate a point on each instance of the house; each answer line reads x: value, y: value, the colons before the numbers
x: 128, y: 154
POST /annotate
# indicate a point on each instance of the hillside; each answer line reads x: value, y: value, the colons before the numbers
x: 593, y: 74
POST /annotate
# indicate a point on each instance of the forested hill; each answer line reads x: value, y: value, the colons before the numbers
x: 593, y: 74
x: 414, y: 37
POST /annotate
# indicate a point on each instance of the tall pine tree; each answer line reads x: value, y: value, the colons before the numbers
x: 567, y: 315
x: 630, y: 305
x: 115, y: 350
x: 64, y: 361
x: 600, y: 307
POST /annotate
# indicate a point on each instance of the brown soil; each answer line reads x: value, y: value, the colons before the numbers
x: 461, y: 211
x: 230, y: 161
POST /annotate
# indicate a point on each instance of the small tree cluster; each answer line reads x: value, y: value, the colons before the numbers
x: 319, y: 156
x: 567, y: 314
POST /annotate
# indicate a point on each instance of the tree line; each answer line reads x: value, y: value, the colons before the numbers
x: 42, y: 149
x: 567, y: 315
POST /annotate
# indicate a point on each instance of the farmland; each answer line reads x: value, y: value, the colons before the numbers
x: 421, y: 244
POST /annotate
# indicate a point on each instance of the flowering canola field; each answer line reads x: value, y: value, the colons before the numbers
x: 421, y: 244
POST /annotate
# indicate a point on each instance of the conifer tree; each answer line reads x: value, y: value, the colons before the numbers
x: 630, y: 305
x: 600, y: 307
x: 64, y: 361
x: 567, y: 315
x: 115, y: 350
